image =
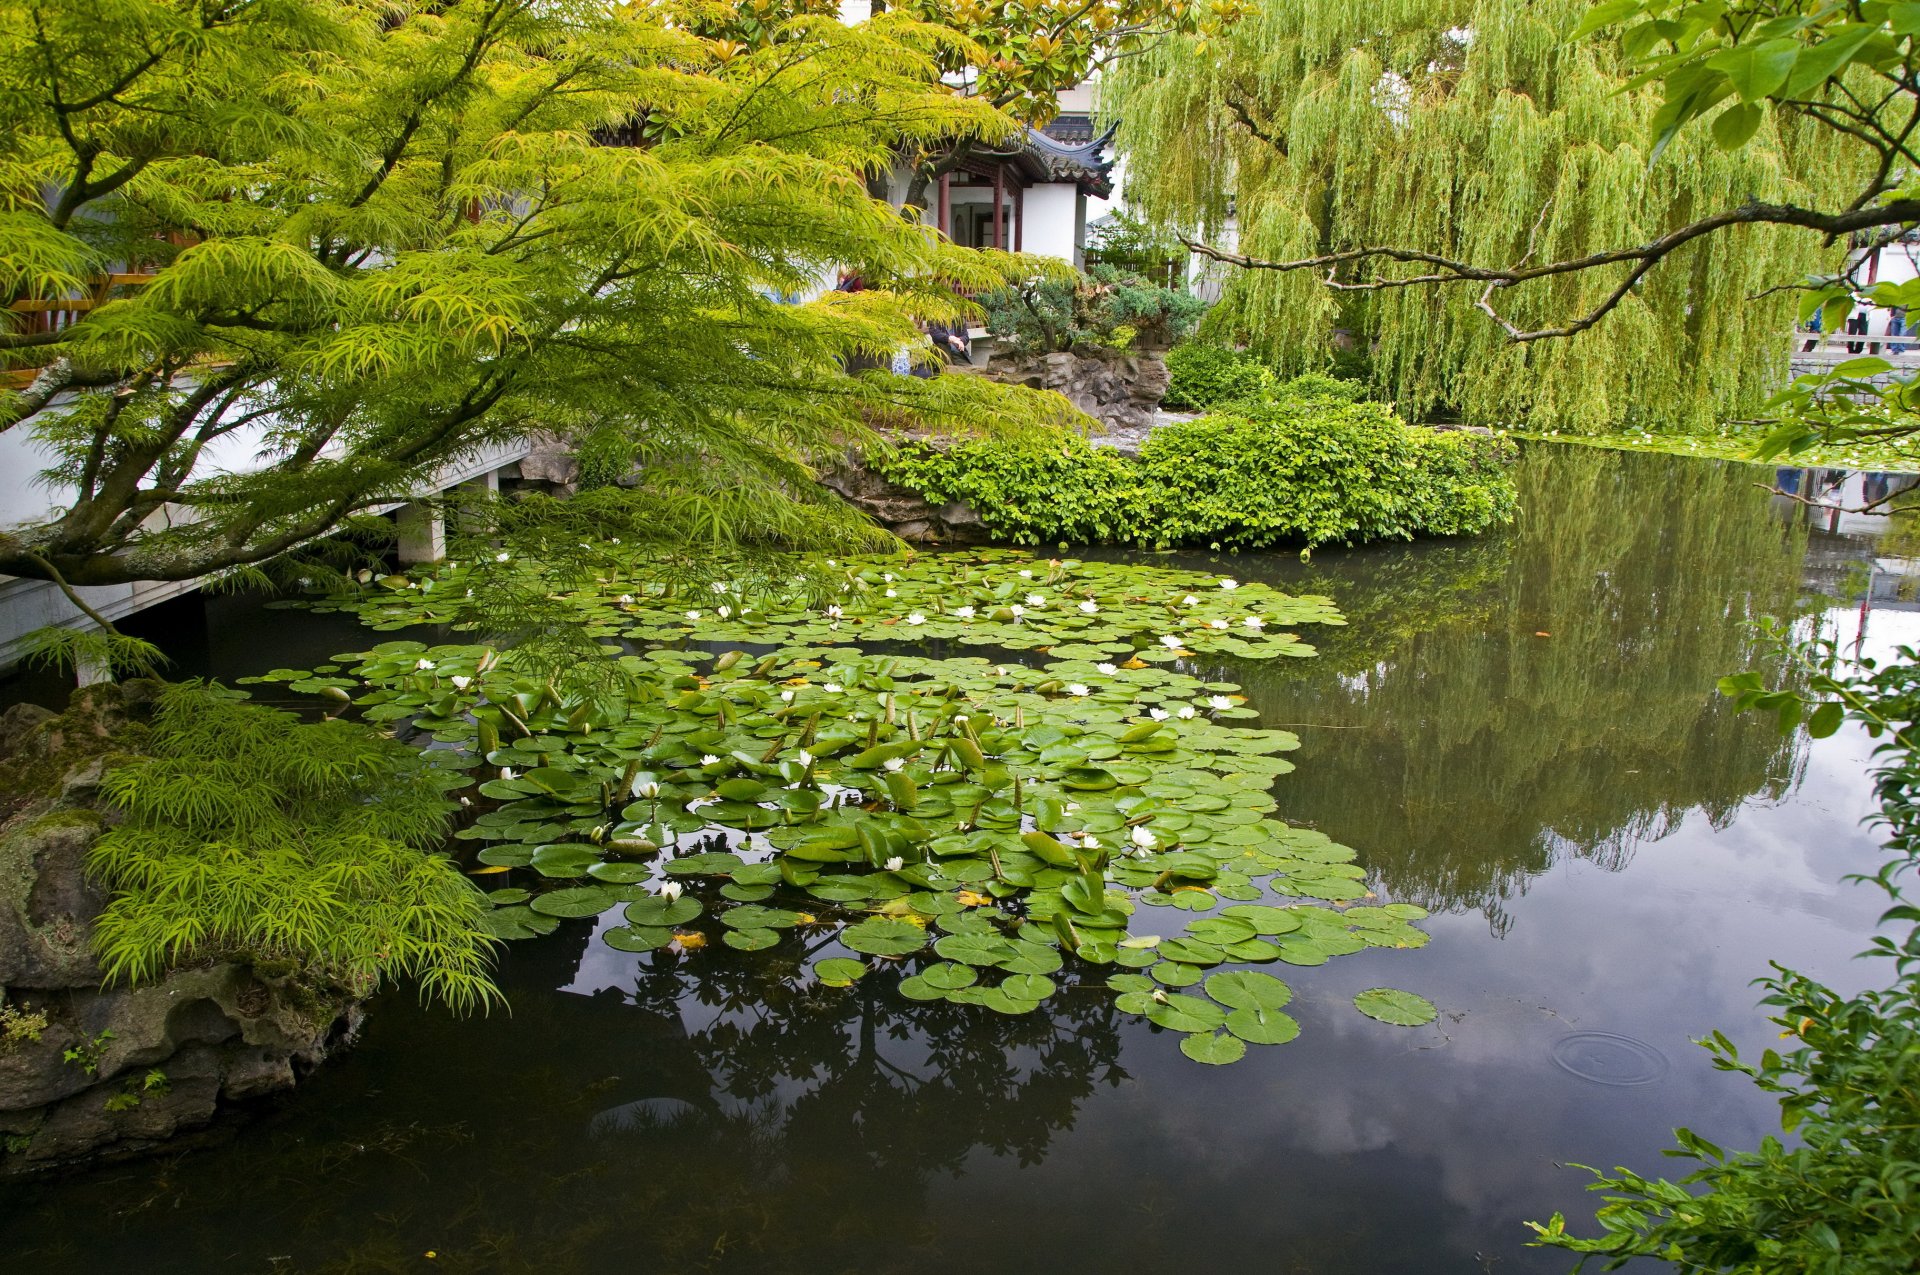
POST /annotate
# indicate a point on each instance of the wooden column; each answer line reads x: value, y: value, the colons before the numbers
x: 946, y: 206
x: 999, y: 213
x: 1019, y: 215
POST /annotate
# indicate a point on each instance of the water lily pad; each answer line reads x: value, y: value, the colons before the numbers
x: 658, y: 910
x: 519, y: 923
x: 637, y: 938
x: 1246, y: 989
x: 1183, y: 1013
x: 620, y: 873
x: 839, y: 971
x: 750, y: 940
x: 1262, y: 1026
x: 1215, y: 1048
x: 567, y: 859
x: 1403, y: 1009
x: 586, y: 900
x: 884, y: 936
x: 1032, y: 987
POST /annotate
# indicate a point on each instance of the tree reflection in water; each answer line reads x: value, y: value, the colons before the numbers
x: 1547, y: 694
x: 712, y: 1111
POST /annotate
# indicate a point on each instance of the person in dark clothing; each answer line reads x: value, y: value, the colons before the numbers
x: 951, y: 342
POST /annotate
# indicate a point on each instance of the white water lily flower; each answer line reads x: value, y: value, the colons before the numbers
x: 832, y: 563
x: 1229, y: 585
x: 1108, y: 669
x: 887, y: 576
x: 804, y: 757
x: 460, y: 681
x: 786, y: 697
x: 717, y: 587
x: 693, y: 615
x: 834, y: 612
x: 1090, y: 606
x: 892, y: 593
x: 1186, y: 711
x: 893, y: 763
x: 626, y: 599
x: 1075, y: 688
x: 1035, y: 600
x: 708, y: 759
x: 1144, y: 838
x: 1171, y: 642
x: 506, y: 772
x: 646, y: 789
x: 1090, y: 842
x: 916, y: 618
x: 1216, y: 624
x: 614, y: 541
x: 965, y: 613
x: 425, y: 666
x: 831, y: 688
x: 1017, y: 610
x: 894, y: 864
x: 501, y: 557
x: 959, y: 717
x: 670, y: 890
x: 1158, y: 714
x: 1026, y: 575
x: 1189, y: 601
x: 1254, y: 622
x: 1219, y: 701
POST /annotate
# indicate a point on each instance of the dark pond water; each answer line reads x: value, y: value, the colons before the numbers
x: 1518, y: 733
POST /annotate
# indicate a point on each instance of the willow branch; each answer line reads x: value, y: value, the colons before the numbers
x: 1642, y: 258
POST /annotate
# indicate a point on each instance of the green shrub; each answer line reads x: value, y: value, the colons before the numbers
x: 1105, y: 308
x: 1304, y: 465
x: 250, y: 835
x: 1200, y: 376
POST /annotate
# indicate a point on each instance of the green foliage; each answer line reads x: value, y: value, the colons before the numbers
x: 385, y: 236
x: 1845, y: 1199
x: 86, y: 1055
x: 1137, y: 247
x: 18, y: 1024
x: 72, y: 651
x: 1306, y: 465
x: 251, y: 835
x: 1201, y: 375
x: 1104, y: 308
x: 1483, y: 132
x: 1014, y: 823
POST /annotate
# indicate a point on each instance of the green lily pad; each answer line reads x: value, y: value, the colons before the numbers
x: 1246, y: 989
x: 1215, y: 1048
x: 657, y: 910
x: 839, y: 971
x: 750, y: 940
x: 1403, y: 1009
x: 1262, y: 1026
x: 586, y: 900
x: 884, y: 936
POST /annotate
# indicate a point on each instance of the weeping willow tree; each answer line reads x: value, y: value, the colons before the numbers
x: 1477, y: 131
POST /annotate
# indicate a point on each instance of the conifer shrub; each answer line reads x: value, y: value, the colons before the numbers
x: 1307, y: 463
x: 250, y: 835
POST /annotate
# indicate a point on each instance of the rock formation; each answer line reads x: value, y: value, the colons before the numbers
x: 89, y: 1071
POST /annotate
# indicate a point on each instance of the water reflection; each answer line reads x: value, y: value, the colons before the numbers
x: 1507, y: 705
x: 715, y: 1110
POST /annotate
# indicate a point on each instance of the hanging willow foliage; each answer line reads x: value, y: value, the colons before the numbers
x: 1479, y: 130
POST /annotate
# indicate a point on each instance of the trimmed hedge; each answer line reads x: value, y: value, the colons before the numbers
x: 1305, y: 466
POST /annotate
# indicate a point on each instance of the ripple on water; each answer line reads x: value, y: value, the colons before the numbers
x: 1609, y: 1058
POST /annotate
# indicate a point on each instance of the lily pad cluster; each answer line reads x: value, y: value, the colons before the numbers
x: 987, y: 598
x: 979, y: 825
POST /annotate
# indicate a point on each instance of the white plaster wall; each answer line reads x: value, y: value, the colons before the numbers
x: 1051, y: 212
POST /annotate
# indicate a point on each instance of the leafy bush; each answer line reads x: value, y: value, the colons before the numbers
x: 1200, y: 376
x: 1846, y: 1201
x: 249, y: 835
x: 1304, y: 465
x: 1105, y: 308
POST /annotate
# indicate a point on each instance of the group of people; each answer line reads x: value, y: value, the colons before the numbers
x: 950, y: 341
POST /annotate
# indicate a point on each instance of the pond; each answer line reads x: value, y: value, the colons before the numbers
x: 1518, y: 733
